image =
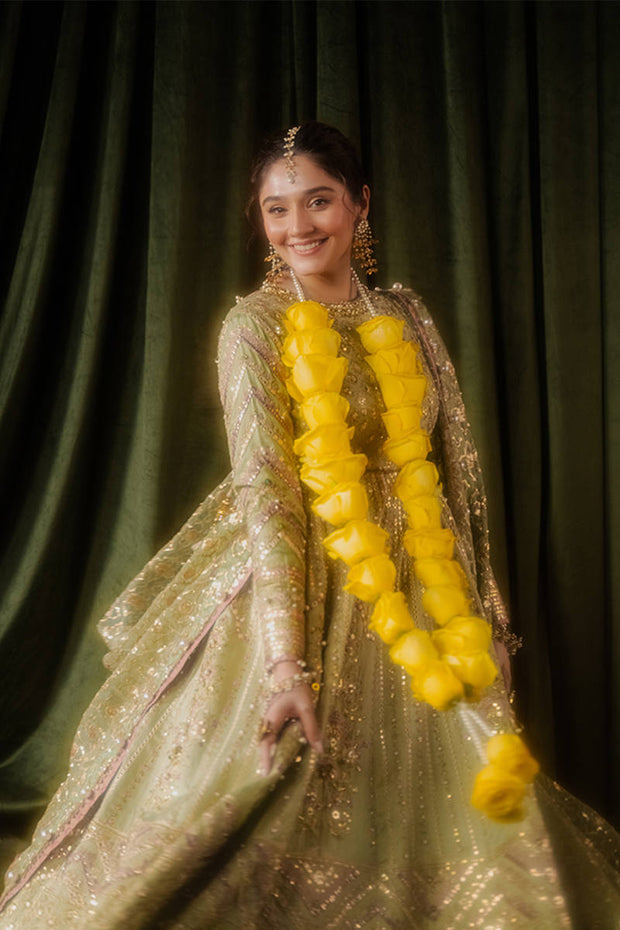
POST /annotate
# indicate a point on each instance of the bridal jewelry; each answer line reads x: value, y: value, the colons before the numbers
x: 363, y: 247
x: 277, y: 265
x: 357, y: 284
x: 289, y: 158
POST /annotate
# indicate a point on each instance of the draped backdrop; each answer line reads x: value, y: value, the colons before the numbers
x: 491, y: 136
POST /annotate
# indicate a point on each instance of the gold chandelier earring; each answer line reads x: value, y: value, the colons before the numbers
x: 363, y: 247
x: 278, y: 265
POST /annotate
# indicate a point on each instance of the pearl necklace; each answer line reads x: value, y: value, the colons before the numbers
x: 361, y: 289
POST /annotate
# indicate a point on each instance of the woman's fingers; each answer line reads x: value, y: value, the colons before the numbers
x: 311, y: 728
x: 294, y: 705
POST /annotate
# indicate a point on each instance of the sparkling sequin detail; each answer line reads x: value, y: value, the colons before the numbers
x: 163, y: 819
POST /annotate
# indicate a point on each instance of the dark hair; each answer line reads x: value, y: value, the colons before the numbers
x: 326, y: 145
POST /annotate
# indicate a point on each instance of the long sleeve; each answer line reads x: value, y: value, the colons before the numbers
x: 265, y: 476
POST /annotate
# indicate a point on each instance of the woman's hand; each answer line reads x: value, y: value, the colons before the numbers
x: 296, y: 704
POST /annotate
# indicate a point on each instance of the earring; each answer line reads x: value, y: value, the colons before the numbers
x: 362, y: 247
x: 277, y: 265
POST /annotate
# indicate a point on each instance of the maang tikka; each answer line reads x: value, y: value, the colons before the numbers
x: 289, y: 158
x: 362, y: 247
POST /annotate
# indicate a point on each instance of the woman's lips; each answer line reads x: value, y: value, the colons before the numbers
x: 307, y: 248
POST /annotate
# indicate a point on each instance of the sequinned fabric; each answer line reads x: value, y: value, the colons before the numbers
x: 164, y: 821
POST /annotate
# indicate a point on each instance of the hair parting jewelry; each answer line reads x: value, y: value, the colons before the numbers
x: 288, y: 146
x: 363, y: 247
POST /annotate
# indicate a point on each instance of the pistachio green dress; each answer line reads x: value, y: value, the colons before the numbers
x: 164, y: 820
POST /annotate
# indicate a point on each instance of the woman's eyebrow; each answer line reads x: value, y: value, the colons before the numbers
x: 308, y: 193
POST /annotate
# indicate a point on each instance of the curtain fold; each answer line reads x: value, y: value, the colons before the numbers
x: 490, y: 133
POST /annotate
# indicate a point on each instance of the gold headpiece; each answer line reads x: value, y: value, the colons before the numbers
x: 289, y: 144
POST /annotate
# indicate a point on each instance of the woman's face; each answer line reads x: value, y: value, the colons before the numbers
x: 311, y: 221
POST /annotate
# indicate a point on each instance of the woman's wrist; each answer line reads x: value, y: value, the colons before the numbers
x: 286, y: 668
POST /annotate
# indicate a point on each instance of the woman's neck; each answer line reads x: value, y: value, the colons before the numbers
x: 324, y: 290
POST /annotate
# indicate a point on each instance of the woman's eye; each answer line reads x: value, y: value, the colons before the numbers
x: 319, y: 202
x: 276, y: 210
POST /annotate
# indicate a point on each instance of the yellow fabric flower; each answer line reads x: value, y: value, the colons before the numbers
x: 498, y: 794
x: 347, y: 501
x: 313, y: 374
x: 401, y: 390
x: 355, y: 541
x: 437, y: 685
x: 429, y: 543
x: 307, y: 314
x: 400, y: 420
x: 432, y: 572
x: 417, y: 477
x: 463, y: 636
x: 293, y: 390
x: 370, y: 578
x: 508, y: 751
x: 413, y: 445
x: 382, y: 332
x: 323, y: 341
x: 391, y: 617
x: 324, y: 408
x: 325, y: 477
x: 401, y: 359
x: 443, y: 602
x: 423, y: 512
x: 332, y: 441
x: 478, y: 670
x: 413, y: 651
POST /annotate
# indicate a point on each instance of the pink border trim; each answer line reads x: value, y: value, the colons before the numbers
x: 114, y: 766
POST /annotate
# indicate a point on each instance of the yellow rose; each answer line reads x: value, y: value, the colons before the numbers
x: 382, y: 332
x: 417, y: 477
x: 423, y: 512
x: 307, y: 314
x: 391, y: 617
x: 355, y: 541
x: 436, y: 685
x: 463, y: 636
x: 443, y: 602
x: 413, y: 445
x: 401, y: 391
x: 313, y: 374
x: 370, y: 578
x: 400, y: 420
x: 432, y: 572
x: 323, y: 341
x: 324, y: 408
x: 508, y: 752
x: 478, y: 670
x: 293, y: 390
x: 332, y: 441
x: 413, y: 651
x: 498, y: 794
x: 347, y: 501
x: 434, y: 544
x: 401, y: 359
x: 325, y: 477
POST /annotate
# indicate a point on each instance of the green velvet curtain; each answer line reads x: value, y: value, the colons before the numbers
x: 491, y: 134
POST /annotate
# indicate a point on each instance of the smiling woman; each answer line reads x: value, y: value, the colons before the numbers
x: 366, y: 623
x: 310, y: 221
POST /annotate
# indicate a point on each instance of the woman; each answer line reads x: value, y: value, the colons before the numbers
x: 192, y: 799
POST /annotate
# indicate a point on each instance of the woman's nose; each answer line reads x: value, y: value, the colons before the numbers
x: 301, y: 222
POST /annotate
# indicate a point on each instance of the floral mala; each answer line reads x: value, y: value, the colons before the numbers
x: 452, y: 663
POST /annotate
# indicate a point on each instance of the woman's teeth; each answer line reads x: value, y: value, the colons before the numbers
x: 307, y: 246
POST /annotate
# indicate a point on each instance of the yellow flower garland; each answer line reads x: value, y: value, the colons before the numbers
x: 453, y: 661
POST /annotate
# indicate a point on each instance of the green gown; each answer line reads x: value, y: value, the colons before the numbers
x: 164, y: 820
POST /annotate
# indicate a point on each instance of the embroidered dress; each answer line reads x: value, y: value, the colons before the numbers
x: 164, y: 820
